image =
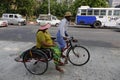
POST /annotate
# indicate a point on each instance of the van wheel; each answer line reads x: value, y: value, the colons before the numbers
x: 39, y: 23
x: 97, y: 24
x: 20, y: 24
x: 56, y: 24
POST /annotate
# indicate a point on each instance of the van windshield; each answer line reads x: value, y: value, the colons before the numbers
x: 54, y: 17
x: 19, y: 16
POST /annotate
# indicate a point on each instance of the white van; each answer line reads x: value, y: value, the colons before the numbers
x: 45, y: 18
x: 14, y: 19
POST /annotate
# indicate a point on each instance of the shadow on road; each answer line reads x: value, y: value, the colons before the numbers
x: 116, y: 30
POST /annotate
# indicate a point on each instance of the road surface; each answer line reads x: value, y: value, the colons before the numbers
x: 104, y: 63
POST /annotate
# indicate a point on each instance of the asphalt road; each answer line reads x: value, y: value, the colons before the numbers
x: 103, y: 45
x: 86, y: 36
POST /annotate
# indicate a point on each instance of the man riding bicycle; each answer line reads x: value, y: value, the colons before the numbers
x: 62, y: 32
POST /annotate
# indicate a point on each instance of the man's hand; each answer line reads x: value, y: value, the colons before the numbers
x: 65, y: 38
x: 54, y: 44
x: 75, y: 40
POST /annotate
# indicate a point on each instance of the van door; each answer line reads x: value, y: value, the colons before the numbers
x: 54, y: 20
x: 10, y: 19
x: 15, y: 19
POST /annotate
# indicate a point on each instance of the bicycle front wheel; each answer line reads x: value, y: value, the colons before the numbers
x: 78, y: 55
x: 35, y: 62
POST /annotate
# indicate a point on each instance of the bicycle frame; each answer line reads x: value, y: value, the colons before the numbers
x: 69, y: 45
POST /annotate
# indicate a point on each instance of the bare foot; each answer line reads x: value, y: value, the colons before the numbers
x: 61, y: 64
x: 66, y: 61
x: 59, y: 69
x: 63, y: 56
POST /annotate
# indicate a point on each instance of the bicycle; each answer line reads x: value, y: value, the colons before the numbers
x: 36, y: 60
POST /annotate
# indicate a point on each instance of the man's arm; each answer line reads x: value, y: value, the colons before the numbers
x: 62, y: 28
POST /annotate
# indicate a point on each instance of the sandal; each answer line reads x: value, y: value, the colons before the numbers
x: 66, y: 61
x: 63, y: 56
x: 61, y: 64
x: 59, y: 69
x: 18, y: 59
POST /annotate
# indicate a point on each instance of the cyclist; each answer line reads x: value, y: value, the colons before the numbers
x: 44, y: 40
x: 62, y: 32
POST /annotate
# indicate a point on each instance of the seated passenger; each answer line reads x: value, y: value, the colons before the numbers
x: 44, y: 40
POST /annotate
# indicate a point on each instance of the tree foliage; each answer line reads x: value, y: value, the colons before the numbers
x: 5, y: 5
x: 18, y: 6
x: 55, y: 8
x: 35, y: 7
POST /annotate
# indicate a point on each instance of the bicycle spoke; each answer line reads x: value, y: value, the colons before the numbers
x: 78, y: 56
x: 37, y: 64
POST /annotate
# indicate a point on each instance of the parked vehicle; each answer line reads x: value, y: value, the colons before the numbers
x: 3, y: 23
x: 45, y: 18
x: 98, y: 17
x: 14, y: 19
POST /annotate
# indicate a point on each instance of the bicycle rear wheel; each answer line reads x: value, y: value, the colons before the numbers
x: 35, y: 62
x: 78, y: 55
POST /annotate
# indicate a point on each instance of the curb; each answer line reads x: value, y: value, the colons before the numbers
x: 31, y: 22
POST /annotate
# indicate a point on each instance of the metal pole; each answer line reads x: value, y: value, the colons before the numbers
x: 48, y: 7
x: 68, y: 3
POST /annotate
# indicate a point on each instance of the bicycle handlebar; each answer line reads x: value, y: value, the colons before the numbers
x: 68, y: 39
x: 71, y: 39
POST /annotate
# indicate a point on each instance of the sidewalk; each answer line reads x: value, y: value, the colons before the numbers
x: 103, y: 65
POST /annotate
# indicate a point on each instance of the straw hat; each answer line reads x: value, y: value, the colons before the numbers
x: 68, y: 14
x: 46, y: 26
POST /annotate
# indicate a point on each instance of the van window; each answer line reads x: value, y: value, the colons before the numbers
x: 96, y: 12
x: 110, y: 12
x: 19, y: 16
x: 5, y: 15
x: 116, y: 12
x: 10, y: 16
x: 103, y: 12
x: 90, y: 12
x: 83, y: 12
x: 16, y: 16
x: 49, y: 17
x: 54, y: 18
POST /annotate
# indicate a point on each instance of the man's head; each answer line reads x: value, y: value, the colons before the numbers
x: 45, y: 27
x: 68, y: 15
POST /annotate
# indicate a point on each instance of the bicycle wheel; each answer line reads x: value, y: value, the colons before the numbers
x: 35, y: 62
x: 48, y: 53
x: 78, y: 55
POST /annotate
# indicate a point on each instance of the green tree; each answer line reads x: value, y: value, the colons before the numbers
x: 25, y: 7
x: 43, y: 7
x: 35, y: 7
x: 58, y: 9
x: 5, y: 6
x: 55, y: 8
